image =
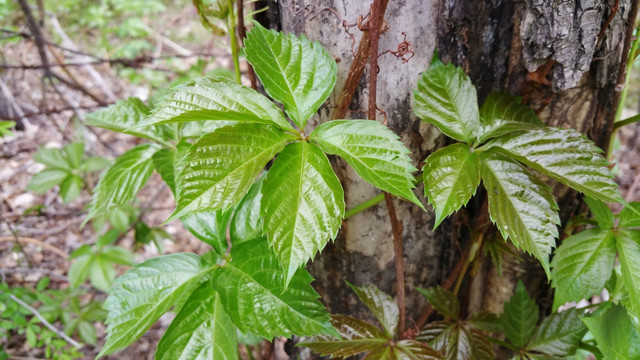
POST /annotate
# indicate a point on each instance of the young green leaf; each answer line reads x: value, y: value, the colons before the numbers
x: 221, y: 166
x: 246, y: 223
x: 294, y: 71
x: 502, y: 113
x: 374, y: 152
x: 521, y: 206
x: 382, y: 306
x: 520, y: 317
x: 302, y: 205
x: 202, y: 330
x: 457, y: 340
x: 53, y: 158
x: 73, y: 153
x: 127, y: 116
x: 94, y: 163
x: 443, y: 301
x: 582, y: 264
x: 628, y: 217
x: 628, y: 244
x: 356, y: 336
x: 251, y: 289
x: 415, y: 350
x: 601, y: 212
x: 565, y: 155
x: 80, y: 270
x: 210, y: 227
x: 219, y: 99
x: 5, y: 126
x: 451, y: 176
x: 121, y: 182
x: 118, y: 255
x: 558, y: 335
x: 102, y: 273
x: 47, y: 179
x: 616, y: 334
x: 164, y: 161
x: 447, y: 99
x: 144, y: 293
x: 70, y: 188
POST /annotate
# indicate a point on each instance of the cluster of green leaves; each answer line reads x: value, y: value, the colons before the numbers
x: 67, y: 168
x: 358, y: 336
x: 98, y: 262
x: 499, y: 143
x: 77, y: 317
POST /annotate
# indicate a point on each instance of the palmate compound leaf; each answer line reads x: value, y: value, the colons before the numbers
x: 558, y: 335
x: 382, y: 306
x: 202, y: 330
x: 144, y: 293
x: 443, y: 301
x: 502, y: 113
x: 615, y: 333
x: 127, y: 116
x: 251, y: 287
x: 582, y: 264
x: 294, y: 71
x: 447, y: 99
x: 374, y: 152
x: 120, y: 183
x: 457, y: 340
x: 216, y: 99
x: 221, y: 166
x: 628, y: 245
x: 302, y: 205
x: 565, y: 155
x: 521, y: 206
x: 520, y: 317
x: 451, y: 176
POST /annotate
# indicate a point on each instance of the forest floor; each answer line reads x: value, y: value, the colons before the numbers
x: 37, y: 232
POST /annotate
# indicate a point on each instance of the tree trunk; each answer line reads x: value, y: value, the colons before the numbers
x: 556, y: 55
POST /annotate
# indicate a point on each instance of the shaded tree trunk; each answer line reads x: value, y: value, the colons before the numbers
x: 563, y: 58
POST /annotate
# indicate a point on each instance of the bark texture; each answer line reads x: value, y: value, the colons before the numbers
x: 562, y: 57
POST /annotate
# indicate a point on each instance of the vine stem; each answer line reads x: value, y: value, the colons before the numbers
x: 234, y: 41
x: 242, y: 33
x: 364, y: 206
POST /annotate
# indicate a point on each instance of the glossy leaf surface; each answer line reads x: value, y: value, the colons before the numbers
x: 144, y: 293
x: 251, y: 289
x: 216, y: 98
x: 451, y: 176
x: 302, y: 205
x: 558, y: 335
x: 565, y: 155
x: 356, y: 336
x: 520, y: 317
x: 374, y: 152
x: 221, y: 166
x: 247, y: 223
x: 582, y: 264
x: 629, y: 217
x: 447, y: 99
x: 457, y: 341
x: 210, y: 227
x: 202, y: 330
x: 164, y: 161
x: 382, y: 306
x: 294, y: 71
x: 628, y: 244
x: 443, y: 301
x: 502, y: 113
x: 521, y: 206
x: 617, y: 336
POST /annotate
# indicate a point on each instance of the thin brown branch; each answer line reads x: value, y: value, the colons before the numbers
x: 242, y: 33
x: 396, y: 230
x: 29, y: 240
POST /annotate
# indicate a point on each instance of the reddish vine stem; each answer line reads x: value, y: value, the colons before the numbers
x: 242, y: 33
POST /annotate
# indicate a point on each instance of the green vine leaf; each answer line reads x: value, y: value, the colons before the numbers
x: 628, y: 217
x: 601, y: 212
x: 251, y: 289
x: 382, y: 306
x: 294, y: 71
x: 443, y: 301
x: 502, y: 113
x: 127, y: 116
x: 221, y: 166
x: 615, y: 332
x: 457, y: 341
x: 565, y: 155
x: 302, y: 205
x: 247, y: 223
x: 164, y: 161
x: 374, y: 152
x: 120, y: 183
x: 582, y: 264
x: 357, y: 336
x: 202, y: 330
x: 143, y: 294
x: 521, y: 206
x: 210, y: 227
x: 558, y: 335
x: 520, y: 317
x: 451, y: 176
x: 447, y: 99
x: 628, y: 244
x: 216, y: 99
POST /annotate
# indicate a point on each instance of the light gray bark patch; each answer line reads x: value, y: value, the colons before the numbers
x: 565, y: 31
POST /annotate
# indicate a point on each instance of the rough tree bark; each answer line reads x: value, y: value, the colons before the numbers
x: 563, y: 58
